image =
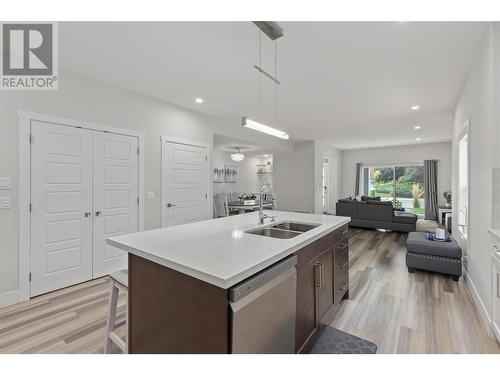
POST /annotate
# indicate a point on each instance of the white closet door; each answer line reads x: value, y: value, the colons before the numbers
x: 115, y: 194
x: 185, y: 177
x: 61, y: 197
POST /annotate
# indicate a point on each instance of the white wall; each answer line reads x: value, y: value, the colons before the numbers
x: 298, y: 176
x: 81, y: 99
x: 248, y: 179
x: 413, y: 153
x: 294, y: 178
x: 476, y: 104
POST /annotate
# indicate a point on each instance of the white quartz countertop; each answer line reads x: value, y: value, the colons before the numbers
x: 219, y: 251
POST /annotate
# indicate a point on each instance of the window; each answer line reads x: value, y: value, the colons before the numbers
x: 401, y: 184
x: 463, y: 183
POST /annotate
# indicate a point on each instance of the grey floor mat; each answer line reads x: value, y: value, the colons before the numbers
x: 335, y: 341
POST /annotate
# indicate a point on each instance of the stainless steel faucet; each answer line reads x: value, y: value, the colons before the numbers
x: 265, y: 189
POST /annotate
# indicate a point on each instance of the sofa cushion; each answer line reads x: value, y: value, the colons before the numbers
x: 364, y: 198
x: 418, y: 243
x: 383, y: 203
x: 404, y: 217
x: 347, y: 200
x: 375, y: 211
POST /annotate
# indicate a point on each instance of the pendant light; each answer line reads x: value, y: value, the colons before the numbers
x: 273, y: 32
x: 237, y: 156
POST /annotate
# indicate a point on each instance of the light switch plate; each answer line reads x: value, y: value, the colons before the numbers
x: 5, y: 183
x: 5, y: 203
x: 151, y: 195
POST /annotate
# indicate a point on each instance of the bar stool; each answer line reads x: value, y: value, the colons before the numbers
x: 121, y: 278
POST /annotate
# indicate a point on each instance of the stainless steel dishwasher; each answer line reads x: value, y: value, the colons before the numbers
x: 263, y: 310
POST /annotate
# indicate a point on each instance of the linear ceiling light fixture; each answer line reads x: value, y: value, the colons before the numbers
x: 251, y: 124
x: 273, y: 32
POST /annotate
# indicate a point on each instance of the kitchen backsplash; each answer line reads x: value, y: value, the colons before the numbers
x: 496, y: 198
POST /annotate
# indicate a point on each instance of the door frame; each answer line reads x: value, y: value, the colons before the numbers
x: 163, y: 140
x: 25, y: 118
x: 464, y: 241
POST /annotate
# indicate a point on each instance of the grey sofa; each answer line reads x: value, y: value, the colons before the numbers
x: 371, y: 213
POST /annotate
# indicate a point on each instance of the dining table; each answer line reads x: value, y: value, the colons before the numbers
x: 242, y: 208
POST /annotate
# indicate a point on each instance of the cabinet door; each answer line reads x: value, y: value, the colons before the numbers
x: 305, y: 320
x: 341, y: 269
x: 324, y: 283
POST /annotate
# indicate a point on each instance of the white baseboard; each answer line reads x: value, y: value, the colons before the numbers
x: 11, y: 298
x: 483, y: 311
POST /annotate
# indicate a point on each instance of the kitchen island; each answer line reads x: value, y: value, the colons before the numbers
x: 180, y: 277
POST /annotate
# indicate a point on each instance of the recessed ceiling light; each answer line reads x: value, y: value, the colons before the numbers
x: 415, y: 107
x: 416, y: 127
x: 418, y: 139
x: 199, y: 100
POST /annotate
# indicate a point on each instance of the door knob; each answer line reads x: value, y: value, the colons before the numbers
x: 171, y: 204
x: 98, y: 213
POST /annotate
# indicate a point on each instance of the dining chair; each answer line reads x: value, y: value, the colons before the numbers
x: 220, y: 204
x: 231, y: 197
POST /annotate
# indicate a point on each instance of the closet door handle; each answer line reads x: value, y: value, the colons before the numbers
x: 86, y: 214
x: 98, y: 213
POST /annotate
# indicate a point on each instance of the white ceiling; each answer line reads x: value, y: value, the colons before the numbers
x: 229, y: 144
x: 348, y: 83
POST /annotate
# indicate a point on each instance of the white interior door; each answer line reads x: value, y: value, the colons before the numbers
x: 61, y: 197
x: 115, y: 197
x: 185, y: 183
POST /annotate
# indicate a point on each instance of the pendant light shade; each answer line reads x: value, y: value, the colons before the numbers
x: 237, y: 156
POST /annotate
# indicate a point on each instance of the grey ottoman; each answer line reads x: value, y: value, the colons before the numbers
x: 442, y: 257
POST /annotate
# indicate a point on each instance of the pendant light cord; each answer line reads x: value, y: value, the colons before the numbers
x: 260, y: 75
x: 275, y: 85
x: 275, y: 75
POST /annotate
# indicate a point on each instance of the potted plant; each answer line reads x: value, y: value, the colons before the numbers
x: 398, y: 206
x: 447, y: 197
x: 248, y: 199
x: 416, y: 192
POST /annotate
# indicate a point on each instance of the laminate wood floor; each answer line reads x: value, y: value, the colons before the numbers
x: 403, y: 312
x: 70, y: 320
x: 400, y: 312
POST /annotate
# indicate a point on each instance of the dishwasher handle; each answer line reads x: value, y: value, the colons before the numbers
x: 241, y: 303
x: 255, y: 282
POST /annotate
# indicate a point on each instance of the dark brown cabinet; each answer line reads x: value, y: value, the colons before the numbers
x: 305, y: 318
x: 341, y: 269
x: 322, y: 282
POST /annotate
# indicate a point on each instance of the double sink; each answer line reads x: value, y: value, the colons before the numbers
x: 283, y: 230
